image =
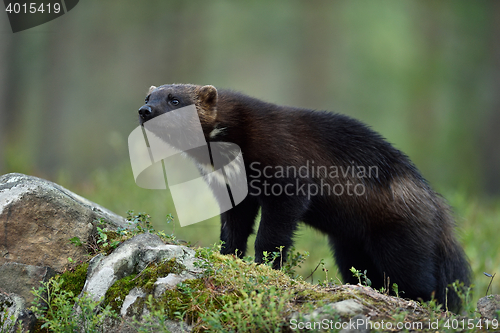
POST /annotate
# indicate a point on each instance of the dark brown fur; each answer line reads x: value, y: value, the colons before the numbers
x: 398, y: 229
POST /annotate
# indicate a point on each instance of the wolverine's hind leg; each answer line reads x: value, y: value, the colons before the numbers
x: 407, y: 258
x: 350, y: 253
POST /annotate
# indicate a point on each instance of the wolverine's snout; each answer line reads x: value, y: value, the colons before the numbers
x: 145, y: 111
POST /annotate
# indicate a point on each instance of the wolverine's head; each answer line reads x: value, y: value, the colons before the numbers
x: 166, y: 98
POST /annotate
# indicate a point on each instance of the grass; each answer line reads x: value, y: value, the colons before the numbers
x: 477, y: 222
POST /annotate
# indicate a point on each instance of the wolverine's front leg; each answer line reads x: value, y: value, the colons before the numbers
x: 280, y: 217
x: 237, y: 225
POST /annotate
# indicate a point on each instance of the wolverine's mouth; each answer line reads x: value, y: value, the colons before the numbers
x: 141, y: 121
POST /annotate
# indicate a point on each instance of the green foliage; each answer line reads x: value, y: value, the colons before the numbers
x: 102, y: 236
x: 225, y: 285
x: 270, y: 257
x: 361, y: 276
x: 232, y: 295
x: 465, y: 294
x: 105, y: 241
x: 395, y: 288
x: 205, y: 254
x: 53, y: 305
x: 294, y: 261
x: 115, y: 295
x: 76, y: 241
x: 259, y: 311
x: 141, y: 223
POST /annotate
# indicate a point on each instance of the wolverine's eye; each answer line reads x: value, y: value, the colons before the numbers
x: 174, y: 102
x: 147, y: 99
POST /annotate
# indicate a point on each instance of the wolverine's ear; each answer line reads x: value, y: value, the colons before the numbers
x: 151, y: 89
x: 208, y: 96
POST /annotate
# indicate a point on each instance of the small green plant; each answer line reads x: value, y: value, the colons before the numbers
x: 465, y: 295
x: 288, y: 266
x: 294, y: 260
x: 54, y: 307
x: 269, y: 257
x: 395, y: 288
x: 142, y: 221
x: 433, y: 305
x: 206, y: 254
x: 361, y: 276
x: 76, y: 241
x: 102, y: 236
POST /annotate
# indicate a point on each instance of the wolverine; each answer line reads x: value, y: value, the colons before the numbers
x: 336, y: 175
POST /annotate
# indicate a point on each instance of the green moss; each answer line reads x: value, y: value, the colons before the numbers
x: 74, y: 280
x: 118, y: 291
x: 318, y: 297
x: 149, y: 276
x: 145, y: 280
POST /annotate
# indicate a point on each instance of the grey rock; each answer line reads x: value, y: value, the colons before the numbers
x: 171, y: 326
x: 347, y: 308
x: 38, y: 217
x: 177, y: 327
x: 133, y: 256
x: 350, y: 310
x: 20, y: 279
x: 359, y: 325
x: 489, y: 306
x: 13, y: 314
x: 37, y: 220
x: 169, y: 282
x: 130, y: 299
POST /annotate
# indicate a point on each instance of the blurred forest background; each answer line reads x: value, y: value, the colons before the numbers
x: 425, y: 74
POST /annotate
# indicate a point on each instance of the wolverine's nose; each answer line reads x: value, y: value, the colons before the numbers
x: 145, y: 111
